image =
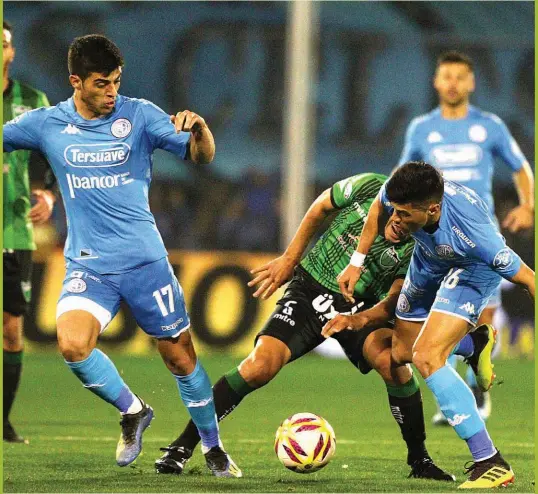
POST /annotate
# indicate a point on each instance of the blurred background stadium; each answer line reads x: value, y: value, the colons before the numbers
x: 298, y: 96
x: 368, y: 71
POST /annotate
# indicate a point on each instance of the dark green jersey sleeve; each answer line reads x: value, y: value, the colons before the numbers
x: 345, y: 192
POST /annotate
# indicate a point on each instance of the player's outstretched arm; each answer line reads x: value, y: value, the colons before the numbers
x: 349, y: 277
x: 522, y: 216
x: 525, y: 277
x: 275, y: 273
x: 376, y: 317
x: 202, y: 143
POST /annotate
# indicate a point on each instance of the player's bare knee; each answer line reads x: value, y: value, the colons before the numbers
x: 74, y: 349
x: 426, y: 361
x: 12, y: 333
x: 400, y: 354
x: 377, y: 351
x: 264, y: 362
x: 178, y: 354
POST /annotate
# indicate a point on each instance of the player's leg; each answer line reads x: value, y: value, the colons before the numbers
x: 292, y: 330
x: 17, y: 291
x: 439, y: 335
x: 371, y: 349
x: 483, y: 398
x: 156, y: 300
x: 86, y: 306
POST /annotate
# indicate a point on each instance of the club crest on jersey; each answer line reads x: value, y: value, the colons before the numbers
x: 444, y: 251
x: 477, y: 133
x: 503, y: 259
x: 97, y: 155
x: 76, y: 285
x: 389, y: 258
x: 434, y: 137
x: 121, y: 128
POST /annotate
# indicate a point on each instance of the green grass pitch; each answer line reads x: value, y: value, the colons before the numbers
x: 73, y: 434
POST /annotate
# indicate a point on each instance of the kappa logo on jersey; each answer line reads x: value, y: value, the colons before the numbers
x: 121, y: 128
x: 503, y: 259
x: 71, y: 129
x: 456, y: 155
x: 444, y: 251
x: 102, y: 182
x: 468, y: 307
x: 97, y: 155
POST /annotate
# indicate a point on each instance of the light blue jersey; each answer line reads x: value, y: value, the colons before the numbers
x: 457, y: 268
x: 103, y: 168
x: 464, y: 149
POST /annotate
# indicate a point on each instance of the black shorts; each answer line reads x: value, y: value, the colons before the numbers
x: 17, y: 281
x: 301, y: 314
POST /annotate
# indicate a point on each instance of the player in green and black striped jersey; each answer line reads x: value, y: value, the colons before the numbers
x: 18, y: 234
x: 312, y: 301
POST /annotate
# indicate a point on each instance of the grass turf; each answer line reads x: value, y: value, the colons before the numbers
x: 73, y: 434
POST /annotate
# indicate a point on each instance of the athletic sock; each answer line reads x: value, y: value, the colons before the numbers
x: 98, y: 374
x: 459, y: 407
x: 196, y: 393
x: 227, y: 398
x: 406, y: 407
x: 465, y: 347
x: 12, y: 368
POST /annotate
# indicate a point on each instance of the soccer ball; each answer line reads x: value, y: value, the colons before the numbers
x: 305, y: 442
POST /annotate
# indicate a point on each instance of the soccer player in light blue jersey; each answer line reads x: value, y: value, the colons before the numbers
x: 100, y: 144
x: 464, y: 142
x: 457, y: 264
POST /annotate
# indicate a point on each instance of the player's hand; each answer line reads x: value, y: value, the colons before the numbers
x: 42, y: 210
x: 271, y: 276
x: 187, y: 121
x: 347, y: 280
x: 519, y: 218
x: 342, y: 322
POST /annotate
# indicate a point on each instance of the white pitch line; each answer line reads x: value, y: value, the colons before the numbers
x: 247, y: 441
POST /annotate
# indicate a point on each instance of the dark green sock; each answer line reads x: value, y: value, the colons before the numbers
x: 12, y: 368
x: 406, y: 407
x: 228, y: 392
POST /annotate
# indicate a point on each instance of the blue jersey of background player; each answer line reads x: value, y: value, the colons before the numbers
x: 457, y: 263
x: 464, y: 142
x: 99, y: 145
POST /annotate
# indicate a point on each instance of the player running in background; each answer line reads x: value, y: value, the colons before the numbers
x: 456, y: 266
x: 312, y: 301
x: 99, y: 144
x: 463, y: 142
x: 18, y: 233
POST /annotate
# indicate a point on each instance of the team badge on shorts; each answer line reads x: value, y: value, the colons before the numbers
x: 76, y: 285
x: 403, y: 304
x: 121, y: 128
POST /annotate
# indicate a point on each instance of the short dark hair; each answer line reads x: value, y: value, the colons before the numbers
x: 415, y: 182
x: 8, y: 26
x: 93, y: 53
x: 454, y: 56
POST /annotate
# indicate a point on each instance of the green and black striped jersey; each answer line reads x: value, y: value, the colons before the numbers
x: 384, y: 263
x: 18, y: 231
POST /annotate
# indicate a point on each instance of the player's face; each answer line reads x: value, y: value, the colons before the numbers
x: 8, y: 50
x: 405, y: 220
x: 98, y: 92
x: 454, y: 83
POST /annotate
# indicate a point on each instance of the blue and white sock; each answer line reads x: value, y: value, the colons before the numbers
x: 465, y: 347
x: 98, y: 374
x: 197, y: 395
x: 458, y: 405
x: 470, y: 377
